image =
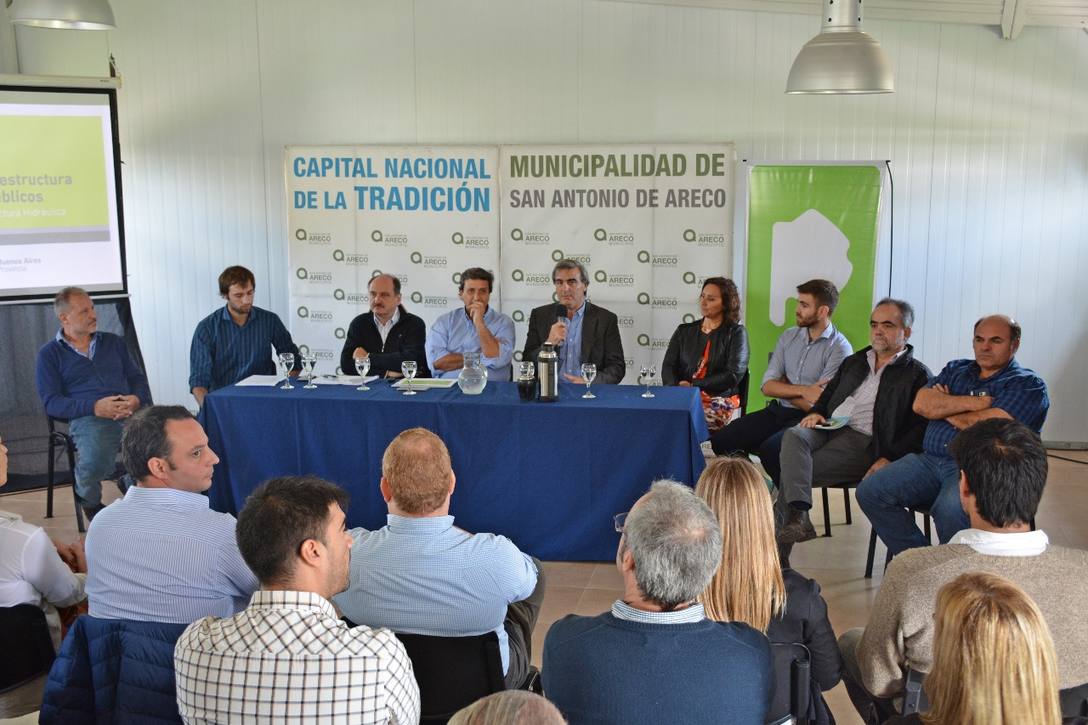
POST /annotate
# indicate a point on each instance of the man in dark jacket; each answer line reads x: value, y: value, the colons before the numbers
x: 388, y: 334
x: 582, y: 331
x: 863, y: 420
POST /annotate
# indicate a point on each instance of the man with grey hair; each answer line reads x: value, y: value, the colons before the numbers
x: 583, y: 332
x: 90, y: 379
x: 655, y: 656
x: 861, y: 422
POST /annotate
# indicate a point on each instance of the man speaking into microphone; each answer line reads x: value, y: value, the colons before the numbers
x: 582, y: 331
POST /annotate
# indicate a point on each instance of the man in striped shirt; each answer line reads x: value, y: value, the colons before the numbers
x: 288, y: 658
x: 160, y: 554
x: 236, y: 341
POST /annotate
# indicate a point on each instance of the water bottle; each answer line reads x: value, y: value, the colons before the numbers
x: 473, y: 377
x: 547, y: 373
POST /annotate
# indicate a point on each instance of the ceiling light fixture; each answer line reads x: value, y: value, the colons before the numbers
x: 69, y: 14
x: 842, y: 58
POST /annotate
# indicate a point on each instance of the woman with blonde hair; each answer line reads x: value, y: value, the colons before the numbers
x: 750, y: 585
x: 993, y: 659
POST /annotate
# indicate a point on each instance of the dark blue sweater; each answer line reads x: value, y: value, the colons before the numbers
x: 604, y: 670
x: 69, y: 384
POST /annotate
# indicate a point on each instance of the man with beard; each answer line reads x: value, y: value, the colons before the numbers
x: 862, y: 421
x: 805, y: 358
x: 236, y: 341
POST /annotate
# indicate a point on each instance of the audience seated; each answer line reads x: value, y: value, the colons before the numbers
x: 512, y: 707
x: 37, y: 571
x: 711, y: 353
x: 993, y: 659
x: 750, y: 587
x: 161, y: 554
x: 288, y: 657
x: 655, y: 657
x: 1003, y: 469
x: 420, y: 574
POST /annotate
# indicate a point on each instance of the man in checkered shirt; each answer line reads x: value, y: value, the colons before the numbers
x: 288, y: 657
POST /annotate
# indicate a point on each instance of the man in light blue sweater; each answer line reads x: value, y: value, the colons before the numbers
x: 89, y: 378
x: 656, y: 657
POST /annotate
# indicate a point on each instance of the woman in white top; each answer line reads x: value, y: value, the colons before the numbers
x: 33, y: 572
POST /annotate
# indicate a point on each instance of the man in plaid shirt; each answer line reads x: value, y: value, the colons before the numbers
x: 993, y: 385
x: 288, y: 657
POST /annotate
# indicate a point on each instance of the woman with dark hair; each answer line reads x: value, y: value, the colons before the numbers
x: 712, y: 353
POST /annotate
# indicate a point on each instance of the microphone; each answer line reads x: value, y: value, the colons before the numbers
x: 560, y: 311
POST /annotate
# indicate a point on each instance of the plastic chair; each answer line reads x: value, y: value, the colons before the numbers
x: 792, y: 666
x: 62, y: 439
x: 26, y: 644
x: 454, y: 672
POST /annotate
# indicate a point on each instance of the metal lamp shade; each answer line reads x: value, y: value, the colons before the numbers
x: 841, y: 62
x: 70, y: 14
x: 841, y: 59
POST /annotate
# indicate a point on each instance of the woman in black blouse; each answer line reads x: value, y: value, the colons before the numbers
x: 751, y: 587
x: 712, y: 353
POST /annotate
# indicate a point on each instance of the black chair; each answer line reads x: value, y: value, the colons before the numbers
x: 926, y: 527
x: 62, y: 439
x: 1074, y: 701
x: 914, y: 697
x: 454, y: 672
x: 845, y: 488
x: 792, y: 665
x: 742, y: 392
x: 26, y: 644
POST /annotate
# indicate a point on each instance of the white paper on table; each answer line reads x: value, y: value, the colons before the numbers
x: 259, y: 381
x: 353, y: 380
x: 424, y: 383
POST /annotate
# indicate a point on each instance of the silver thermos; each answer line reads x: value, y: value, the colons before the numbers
x: 547, y: 373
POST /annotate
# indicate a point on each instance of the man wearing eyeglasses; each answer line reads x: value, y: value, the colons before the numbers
x: 583, y: 332
x: 655, y: 656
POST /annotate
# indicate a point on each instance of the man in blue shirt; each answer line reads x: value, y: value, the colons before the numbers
x: 583, y: 332
x: 161, y: 554
x: 993, y: 385
x: 420, y: 574
x: 235, y: 342
x: 476, y: 328
x: 655, y: 657
x: 89, y: 378
x: 804, y: 360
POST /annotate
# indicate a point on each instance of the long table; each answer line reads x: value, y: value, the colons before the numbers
x: 548, y: 475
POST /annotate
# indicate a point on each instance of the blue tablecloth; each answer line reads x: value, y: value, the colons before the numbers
x: 548, y: 475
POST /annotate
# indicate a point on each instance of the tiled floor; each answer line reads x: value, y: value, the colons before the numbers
x: 836, y: 563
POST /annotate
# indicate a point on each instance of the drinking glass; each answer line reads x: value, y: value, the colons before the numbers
x: 408, y: 368
x: 362, y: 366
x: 308, y: 362
x: 287, y: 361
x: 647, y: 373
x: 589, y: 371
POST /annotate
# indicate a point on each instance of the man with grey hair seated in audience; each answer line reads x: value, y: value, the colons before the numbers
x: 509, y: 707
x: 623, y: 666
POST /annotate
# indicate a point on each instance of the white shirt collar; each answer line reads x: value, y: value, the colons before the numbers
x: 1027, y: 543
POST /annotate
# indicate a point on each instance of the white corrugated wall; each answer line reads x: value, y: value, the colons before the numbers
x: 988, y: 139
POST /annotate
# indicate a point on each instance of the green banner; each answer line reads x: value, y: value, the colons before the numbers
x: 808, y: 222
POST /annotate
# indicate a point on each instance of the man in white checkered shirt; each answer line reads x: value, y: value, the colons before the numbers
x: 288, y: 657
